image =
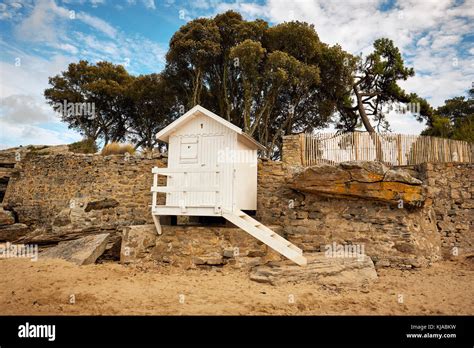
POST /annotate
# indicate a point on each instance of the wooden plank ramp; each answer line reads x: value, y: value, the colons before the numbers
x: 266, y: 235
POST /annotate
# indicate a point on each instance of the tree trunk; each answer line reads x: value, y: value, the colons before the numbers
x: 225, y: 96
x: 196, y: 89
x: 368, y: 126
x: 247, y: 106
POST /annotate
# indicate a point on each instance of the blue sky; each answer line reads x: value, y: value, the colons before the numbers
x: 40, y: 38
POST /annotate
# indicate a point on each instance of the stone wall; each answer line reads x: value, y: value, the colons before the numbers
x: 65, y: 195
x: 450, y: 187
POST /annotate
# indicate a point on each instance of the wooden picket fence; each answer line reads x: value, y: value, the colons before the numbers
x: 392, y: 149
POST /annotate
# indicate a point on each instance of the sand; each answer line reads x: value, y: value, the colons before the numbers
x: 48, y: 287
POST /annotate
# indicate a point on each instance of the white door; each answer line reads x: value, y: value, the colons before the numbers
x: 201, y: 151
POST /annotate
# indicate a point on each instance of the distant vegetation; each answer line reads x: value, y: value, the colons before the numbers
x: 117, y: 149
x: 84, y: 146
x: 454, y: 120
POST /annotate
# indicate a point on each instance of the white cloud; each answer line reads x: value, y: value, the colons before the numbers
x: 41, y: 24
x: 18, y: 109
x: 27, y: 134
x: 47, y: 22
x: 98, y: 24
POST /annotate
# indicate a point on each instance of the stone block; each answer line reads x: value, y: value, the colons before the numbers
x: 83, y: 251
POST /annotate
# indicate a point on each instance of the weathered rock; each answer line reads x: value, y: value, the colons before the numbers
x: 229, y: 252
x: 102, y: 204
x: 10, y: 233
x: 405, y: 248
x: 365, y: 171
x: 320, y: 270
x: 6, y: 173
x: 398, y: 175
x: 212, y: 259
x: 54, y: 235
x: 63, y: 218
x: 112, y: 250
x: 83, y: 251
x: 368, y: 180
x: 136, y: 242
x: 6, y: 217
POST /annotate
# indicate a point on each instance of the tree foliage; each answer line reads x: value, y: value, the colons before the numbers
x: 104, y: 85
x: 375, y: 88
x: 454, y: 119
x: 150, y: 103
x: 263, y: 79
x: 269, y: 81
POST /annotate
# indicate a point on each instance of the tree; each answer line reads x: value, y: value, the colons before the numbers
x: 193, y: 48
x: 103, y: 85
x: 150, y: 102
x: 374, y: 89
x: 264, y: 80
x: 454, y: 119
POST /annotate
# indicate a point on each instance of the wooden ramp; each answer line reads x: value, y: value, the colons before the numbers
x: 266, y: 235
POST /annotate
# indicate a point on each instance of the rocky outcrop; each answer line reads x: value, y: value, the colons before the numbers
x: 354, y: 271
x: 83, y: 251
x: 393, y: 235
x: 367, y: 180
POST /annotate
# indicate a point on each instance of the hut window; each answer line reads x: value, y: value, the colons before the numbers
x: 188, y: 150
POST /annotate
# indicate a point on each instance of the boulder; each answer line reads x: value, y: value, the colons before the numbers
x: 354, y: 271
x: 10, y: 233
x: 83, y: 251
x: 6, y: 217
x: 228, y: 252
x: 137, y: 241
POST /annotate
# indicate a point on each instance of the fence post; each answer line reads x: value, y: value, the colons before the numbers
x: 399, y: 149
x: 356, y: 145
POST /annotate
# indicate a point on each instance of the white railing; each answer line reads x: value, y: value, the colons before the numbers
x: 184, y: 189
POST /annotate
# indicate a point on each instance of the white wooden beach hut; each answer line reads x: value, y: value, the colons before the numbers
x: 212, y: 171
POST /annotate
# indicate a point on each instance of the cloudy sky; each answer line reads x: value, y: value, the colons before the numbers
x: 39, y: 39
